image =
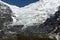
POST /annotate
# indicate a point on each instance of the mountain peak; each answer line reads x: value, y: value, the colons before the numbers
x: 38, y: 17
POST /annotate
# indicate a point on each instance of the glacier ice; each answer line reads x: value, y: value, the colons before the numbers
x: 36, y: 12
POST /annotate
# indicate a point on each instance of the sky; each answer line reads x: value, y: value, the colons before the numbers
x: 20, y: 3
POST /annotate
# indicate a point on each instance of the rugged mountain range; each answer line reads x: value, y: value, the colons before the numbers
x: 8, y: 28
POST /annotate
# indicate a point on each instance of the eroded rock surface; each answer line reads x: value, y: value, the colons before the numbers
x: 5, y: 18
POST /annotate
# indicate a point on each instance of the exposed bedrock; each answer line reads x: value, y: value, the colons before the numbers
x: 5, y: 18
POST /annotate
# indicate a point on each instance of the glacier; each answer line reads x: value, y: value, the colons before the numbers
x: 36, y: 12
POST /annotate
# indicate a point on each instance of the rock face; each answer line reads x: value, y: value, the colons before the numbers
x: 5, y: 15
x: 5, y: 18
x: 7, y: 30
